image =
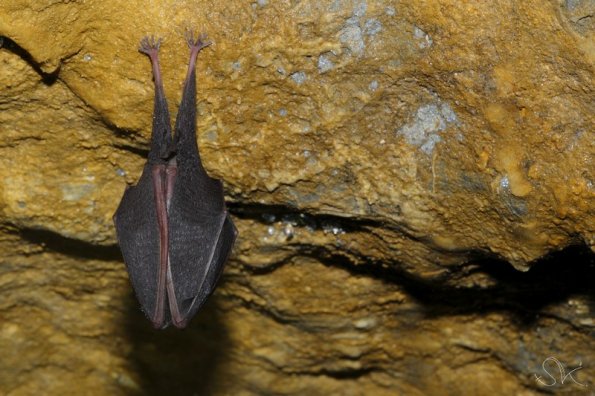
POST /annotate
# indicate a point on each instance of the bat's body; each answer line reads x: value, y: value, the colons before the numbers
x: 173, y: 229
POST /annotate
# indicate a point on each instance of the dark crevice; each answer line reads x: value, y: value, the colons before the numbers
x: 69, y: 246
x: 348, y: 374
x: 269, y: 214
x: 141, y: 152
x: 46, y: 78
x: 270, y: 267
x: 124, y: 133
x: 139, y: 146
x: 552, y: 279
x: 340, y: 374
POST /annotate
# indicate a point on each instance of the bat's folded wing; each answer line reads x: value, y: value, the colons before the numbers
x: 200, y: 242
x: 138, y: 236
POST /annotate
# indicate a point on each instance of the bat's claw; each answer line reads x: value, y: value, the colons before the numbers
x: 150, y: 45
x: 198, y: 44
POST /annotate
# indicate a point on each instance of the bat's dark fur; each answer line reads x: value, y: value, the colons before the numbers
x: 173, y: 229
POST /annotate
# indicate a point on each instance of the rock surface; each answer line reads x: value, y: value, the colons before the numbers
x: 394, y: 168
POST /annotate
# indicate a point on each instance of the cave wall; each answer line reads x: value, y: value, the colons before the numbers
x: 412, y: 182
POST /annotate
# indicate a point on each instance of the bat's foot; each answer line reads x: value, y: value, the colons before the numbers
x: 195, y: 47
x: 198, y: 44
x: 150, y: 46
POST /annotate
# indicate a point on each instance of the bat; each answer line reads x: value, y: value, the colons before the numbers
x: 172, y: 227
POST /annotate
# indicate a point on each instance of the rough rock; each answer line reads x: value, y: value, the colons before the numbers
x: 402, y: 174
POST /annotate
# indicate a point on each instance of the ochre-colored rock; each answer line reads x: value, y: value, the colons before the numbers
x: 399, y: 172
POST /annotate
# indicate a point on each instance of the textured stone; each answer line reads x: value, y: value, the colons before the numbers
x: 384, y: 161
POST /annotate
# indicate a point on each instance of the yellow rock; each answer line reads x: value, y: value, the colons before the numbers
x: 379, y: 157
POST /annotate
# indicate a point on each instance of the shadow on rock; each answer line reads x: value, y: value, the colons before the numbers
x: 177, y: 362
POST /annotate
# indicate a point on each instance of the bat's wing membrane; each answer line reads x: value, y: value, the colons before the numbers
x: 138, y: 236
x: 201, y: 237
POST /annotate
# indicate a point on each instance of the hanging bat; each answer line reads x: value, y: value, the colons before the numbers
x: 173, y: 228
